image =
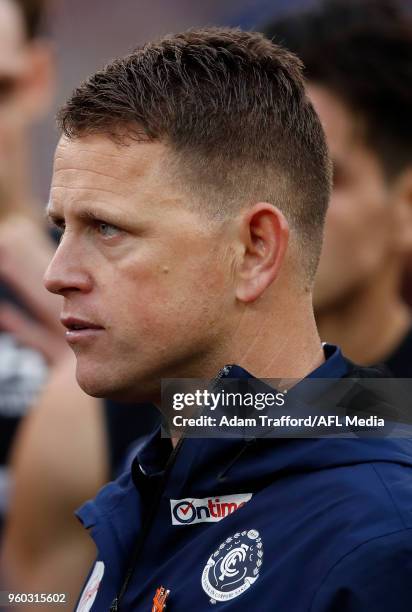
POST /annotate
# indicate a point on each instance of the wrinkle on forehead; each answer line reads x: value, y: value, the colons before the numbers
x: 88, y: 180
x: 102, y: 150
x: 98, y: 162
x: 94, y: 166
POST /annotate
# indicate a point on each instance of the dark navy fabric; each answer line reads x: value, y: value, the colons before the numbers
x: 400, y: 361
x: 126, y: 426
x: 328, y: 527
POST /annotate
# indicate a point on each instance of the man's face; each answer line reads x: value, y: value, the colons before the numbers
x: 358, y: 235
x: 137, y: 262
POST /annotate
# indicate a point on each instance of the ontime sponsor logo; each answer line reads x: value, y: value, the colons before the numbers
x: 190, y: 511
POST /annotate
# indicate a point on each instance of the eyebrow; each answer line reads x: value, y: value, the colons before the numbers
x: 88, y: 214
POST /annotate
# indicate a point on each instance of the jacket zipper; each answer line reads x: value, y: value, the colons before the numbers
x: 146, y: 528
x: 138, y: 547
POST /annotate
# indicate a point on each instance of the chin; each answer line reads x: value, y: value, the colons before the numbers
x: 102, y: 390
x: 96, y: 384
x: 92, y: 387
x: 105, y: 385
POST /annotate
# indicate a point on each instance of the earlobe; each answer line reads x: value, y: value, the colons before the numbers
x: 264, y: 233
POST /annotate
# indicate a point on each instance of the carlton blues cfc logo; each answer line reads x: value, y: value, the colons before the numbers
x: 234, y: 566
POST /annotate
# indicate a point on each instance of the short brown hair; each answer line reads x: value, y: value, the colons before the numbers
x: 232, y: 106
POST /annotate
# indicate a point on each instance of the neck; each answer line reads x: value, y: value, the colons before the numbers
x: 370, y: 323
x: 273, y: 342
x: 279, y: 342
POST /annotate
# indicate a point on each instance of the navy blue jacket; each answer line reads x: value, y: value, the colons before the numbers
x: 319, y: 525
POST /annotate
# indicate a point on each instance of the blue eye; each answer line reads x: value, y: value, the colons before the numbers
x: 107, y: 230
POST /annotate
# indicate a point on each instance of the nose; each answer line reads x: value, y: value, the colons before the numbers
x: 66, y: 272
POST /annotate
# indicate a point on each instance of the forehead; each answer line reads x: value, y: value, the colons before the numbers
x: 96, y: 150
x: 96, y: 168
x: 12, y: 37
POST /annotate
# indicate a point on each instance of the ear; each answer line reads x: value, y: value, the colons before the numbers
x: 38, y: 80
x: 264, y: 233
x: 402, y: 203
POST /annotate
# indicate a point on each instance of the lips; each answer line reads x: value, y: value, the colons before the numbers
x: 77, y: 324
x: 80, y: 330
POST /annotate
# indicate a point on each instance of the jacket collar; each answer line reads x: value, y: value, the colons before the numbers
x: 153, y: 453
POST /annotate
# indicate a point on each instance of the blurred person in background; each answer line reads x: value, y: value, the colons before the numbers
x: 67, y: 447
x: 25, y: 90
x: 357, y: 57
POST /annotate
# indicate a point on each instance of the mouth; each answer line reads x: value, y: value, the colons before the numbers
x: 79, y: 329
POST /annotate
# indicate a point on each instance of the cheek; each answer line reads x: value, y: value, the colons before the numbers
x: 163, y: 297
x: 143, y: 294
